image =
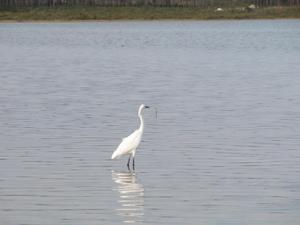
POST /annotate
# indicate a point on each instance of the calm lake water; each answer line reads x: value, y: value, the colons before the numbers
x: 224, y: 149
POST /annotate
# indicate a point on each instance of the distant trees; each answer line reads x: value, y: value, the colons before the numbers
x: 163, y: 3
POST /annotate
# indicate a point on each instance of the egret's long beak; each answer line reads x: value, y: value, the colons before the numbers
x: 147, y: 107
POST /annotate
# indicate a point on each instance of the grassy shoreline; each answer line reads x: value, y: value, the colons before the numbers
x: 77, y: 13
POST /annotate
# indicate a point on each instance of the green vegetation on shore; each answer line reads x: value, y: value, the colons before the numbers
x: 69, y: 13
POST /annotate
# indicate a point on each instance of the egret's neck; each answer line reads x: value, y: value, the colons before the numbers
x: 142, y: 120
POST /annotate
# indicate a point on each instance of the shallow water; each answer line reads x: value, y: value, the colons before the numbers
x: 223, y: 150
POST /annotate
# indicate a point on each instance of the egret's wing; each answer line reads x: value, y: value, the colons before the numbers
x: 127, y: 145
x: 131, y: 137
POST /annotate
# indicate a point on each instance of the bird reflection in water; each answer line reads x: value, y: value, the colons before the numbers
x: 131, y: 196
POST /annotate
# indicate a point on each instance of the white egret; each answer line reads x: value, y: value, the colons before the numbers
x: 129, y: 144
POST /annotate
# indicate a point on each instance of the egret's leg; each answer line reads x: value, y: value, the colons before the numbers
x: 128, y: 162
x: 133, y: 163
x: 133, y: 154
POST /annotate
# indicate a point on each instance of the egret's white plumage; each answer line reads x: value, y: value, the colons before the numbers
x: 129, y: 144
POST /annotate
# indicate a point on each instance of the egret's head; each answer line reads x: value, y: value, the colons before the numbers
x: 142, y: 106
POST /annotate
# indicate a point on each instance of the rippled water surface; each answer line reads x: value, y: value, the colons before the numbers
x: 224, y: 149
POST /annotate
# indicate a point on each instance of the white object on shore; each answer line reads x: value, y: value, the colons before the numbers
x: 252, y: 6
x: 219, y: 10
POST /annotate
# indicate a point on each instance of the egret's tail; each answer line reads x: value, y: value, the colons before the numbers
x: 114, y: 155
